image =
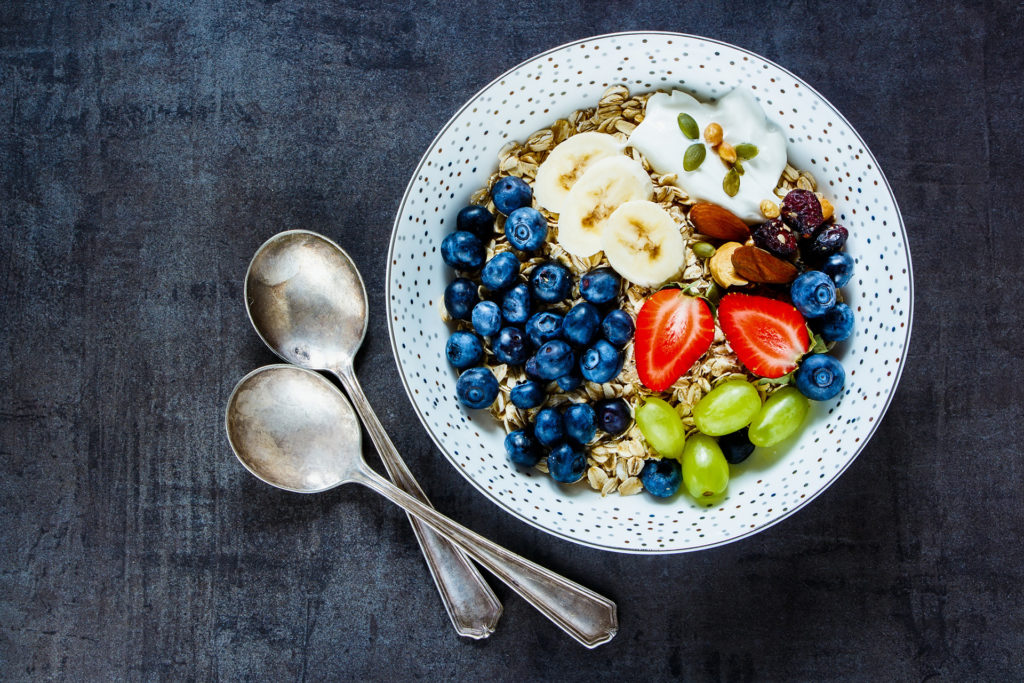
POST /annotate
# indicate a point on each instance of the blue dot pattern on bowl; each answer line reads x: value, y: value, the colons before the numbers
x: 773, y: 482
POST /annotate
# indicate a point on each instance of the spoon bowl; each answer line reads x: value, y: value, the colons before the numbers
x: 306, y: 299
x: 292, y: 430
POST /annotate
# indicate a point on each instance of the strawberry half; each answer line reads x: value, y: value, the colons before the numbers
x: 673, y: 330
x: 768, y: 336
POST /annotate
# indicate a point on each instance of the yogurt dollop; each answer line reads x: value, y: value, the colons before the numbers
x: 661, y: 141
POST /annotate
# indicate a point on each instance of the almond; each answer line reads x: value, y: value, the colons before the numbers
x: 714, y: 221
x: 757, y: 265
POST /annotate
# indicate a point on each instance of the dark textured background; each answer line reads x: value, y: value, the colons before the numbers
x: 148, y: 148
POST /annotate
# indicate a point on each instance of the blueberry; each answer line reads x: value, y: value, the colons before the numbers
x: 566, y: 464
x: 531, y: 368
x: 511, y: 193
x: 548, y: 427
x: 526, y: 229
x: 486, y: 318
x: 618, y: 327
x: 601, y: 363
x: 662, y: 477
x: 813, y: 293
x: 570, y: 381
x: 839, y: 267
x: 820, y: 377
x: 476, y: 388
x: 837, y: 324
x: 553, y: 359
x: 580, y: 423
x: 522, y: 449
x: 477, y: 220
x: 528, y: 394
x: 464, y: 350
x: 501, y: 272
x: 827, y: 241
x: 510, y: 346
x: 600, y: 286
x: 613, y: 415
x: 543, y: 327
x: 460, y: 297
x: 581, y: 323
x: 736, y: 446
x: 515, y: 305
x: 551, y: 282
x: 463, y: 251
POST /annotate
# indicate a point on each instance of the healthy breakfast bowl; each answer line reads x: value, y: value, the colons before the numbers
x: 681, y: 277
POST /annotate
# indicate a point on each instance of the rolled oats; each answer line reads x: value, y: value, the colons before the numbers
x: 609, y: 486
x: 630, y: 487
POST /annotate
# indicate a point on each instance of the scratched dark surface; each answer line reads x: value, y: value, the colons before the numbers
x: 149, y: 147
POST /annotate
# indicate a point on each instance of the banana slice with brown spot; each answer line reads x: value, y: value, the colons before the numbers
x: 567, y: 163
x: 643, y: 244
x: 606, y: 185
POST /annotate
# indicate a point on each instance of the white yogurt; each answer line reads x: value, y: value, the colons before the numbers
x: 659, y: 139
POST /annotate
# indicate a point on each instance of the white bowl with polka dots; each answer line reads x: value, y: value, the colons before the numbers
x: 773, y: 483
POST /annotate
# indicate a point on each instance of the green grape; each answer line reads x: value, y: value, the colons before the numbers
x: 782, y: 415
x: 727, y: 408
x: 705, y: 470
x: 662, y: 427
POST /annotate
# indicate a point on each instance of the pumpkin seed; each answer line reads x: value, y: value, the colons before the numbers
x: 713, y: 293
x: 688, y: 126
x: 745, y: 150
x: 739, y: 167
x: 731, y: 182
x: 703, y: 250
x: 694, y: 156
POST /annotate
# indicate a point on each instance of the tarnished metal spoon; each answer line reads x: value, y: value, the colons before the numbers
x: 307, y: 301
x: 293, y: 429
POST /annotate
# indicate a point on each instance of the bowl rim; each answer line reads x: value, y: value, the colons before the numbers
x: 497, y: 501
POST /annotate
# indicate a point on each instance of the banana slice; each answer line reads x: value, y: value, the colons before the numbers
x: 567, y: 163
x: 604, y: 186
x: 643, y: 244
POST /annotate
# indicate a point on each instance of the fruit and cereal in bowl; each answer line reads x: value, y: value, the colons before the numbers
x: 557, y: 267
x: 641, y: 308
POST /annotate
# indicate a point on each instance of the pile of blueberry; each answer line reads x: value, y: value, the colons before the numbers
x: 565, y: 433
x: 558, y: 352
x: 801, y: 231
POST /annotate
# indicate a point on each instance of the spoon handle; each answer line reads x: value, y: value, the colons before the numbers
x: 471, y: 604
x: 590, y: 618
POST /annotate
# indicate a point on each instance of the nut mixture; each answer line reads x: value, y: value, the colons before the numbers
x: 615, y: 462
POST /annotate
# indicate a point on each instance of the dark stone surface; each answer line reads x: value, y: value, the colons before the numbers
x: 149, y: 147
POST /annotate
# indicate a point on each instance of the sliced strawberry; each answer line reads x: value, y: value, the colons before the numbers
x: 673, y: 330
x: 768, y: 336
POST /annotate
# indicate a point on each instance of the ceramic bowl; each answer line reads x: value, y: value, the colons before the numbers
x: 773, y: 483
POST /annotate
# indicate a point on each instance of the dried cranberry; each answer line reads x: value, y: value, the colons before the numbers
x: 801, y: 211
x: 774, y: 237
x: 829, y: 240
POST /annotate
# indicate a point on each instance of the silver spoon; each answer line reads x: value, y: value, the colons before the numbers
x: 294, y: 430
x: 307, y: 301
